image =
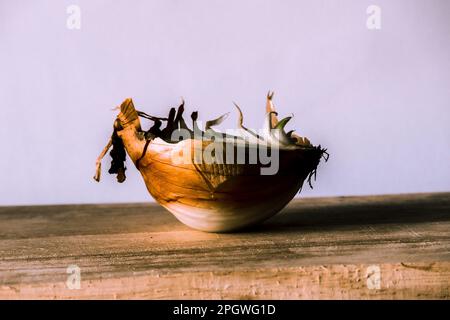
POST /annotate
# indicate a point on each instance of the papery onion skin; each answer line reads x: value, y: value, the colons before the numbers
x: 217, y: 197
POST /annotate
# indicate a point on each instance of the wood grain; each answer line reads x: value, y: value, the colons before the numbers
x: 316, y: 248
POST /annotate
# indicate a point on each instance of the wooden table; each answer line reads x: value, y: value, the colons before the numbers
x: 379, y: 247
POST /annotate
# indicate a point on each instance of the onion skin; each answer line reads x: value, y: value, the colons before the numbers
x: 214, y: 197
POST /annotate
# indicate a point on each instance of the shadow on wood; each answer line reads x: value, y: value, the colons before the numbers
x: 332, y: 213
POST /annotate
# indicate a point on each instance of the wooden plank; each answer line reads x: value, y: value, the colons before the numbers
x: 315, y: 248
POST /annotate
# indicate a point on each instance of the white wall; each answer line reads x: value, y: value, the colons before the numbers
x: 377, y: 99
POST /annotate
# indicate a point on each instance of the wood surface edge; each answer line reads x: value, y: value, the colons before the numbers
x: 337, y: 281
